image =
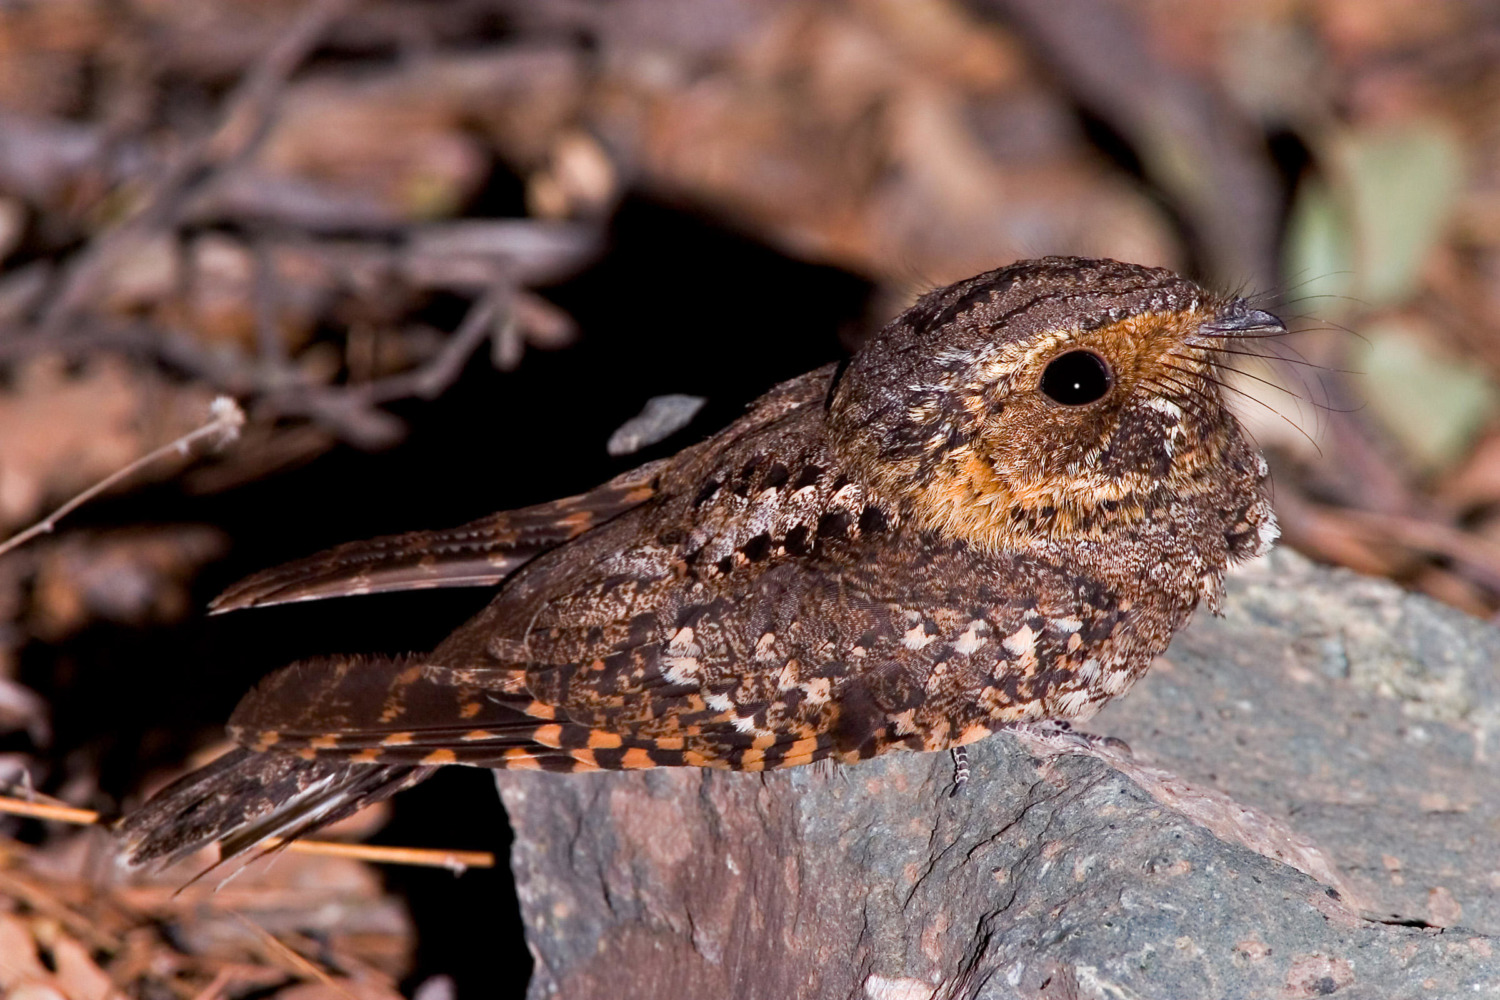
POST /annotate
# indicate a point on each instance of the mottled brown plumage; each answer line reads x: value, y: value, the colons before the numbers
x: 998, y: 511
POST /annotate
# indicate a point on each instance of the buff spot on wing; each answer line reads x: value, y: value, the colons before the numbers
x: 474, y: 735
x: 804, y: 747
x: 601, y: 740
x: 369, y: 756
x: 266, y: 741
x: 307, y: 753
x: 636, y: 758
x: 517, y: 759
x: 540, y: 710
x: 469, y: 709
x: 694, y: 758
x: 326, y: 742
x: 396, y: 740
x: 971, y: 734
x: 579, y: 522
x: 584, y: 760
x: 440, y: 757
x: 548, y: 736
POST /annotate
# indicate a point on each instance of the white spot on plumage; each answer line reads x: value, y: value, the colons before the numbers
x: 683, y: 670
x: 1116, y: 681
x: 787, y: 679
x: 1021, y: 642
x: 970, y: 640
x: 1266, y: 533
x: 1072, y: 703
x: 916, y: 637
x: 718, y: 702
x: 682, y: 644
x: 817, y: 691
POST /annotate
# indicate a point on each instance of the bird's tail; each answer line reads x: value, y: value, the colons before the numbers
x: 245, y: 799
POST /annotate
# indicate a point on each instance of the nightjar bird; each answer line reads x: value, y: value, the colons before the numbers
x: 998, y: 511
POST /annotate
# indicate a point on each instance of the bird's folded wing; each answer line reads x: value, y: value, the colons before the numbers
x: 478, y: 554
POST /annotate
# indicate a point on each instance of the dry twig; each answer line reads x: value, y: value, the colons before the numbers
x: 245, y: 122
x: 222, y: 429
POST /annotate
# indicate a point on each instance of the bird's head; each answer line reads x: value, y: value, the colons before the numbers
x: 1060, y: 400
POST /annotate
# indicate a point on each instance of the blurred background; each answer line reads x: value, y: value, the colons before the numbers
x: 441, y: 249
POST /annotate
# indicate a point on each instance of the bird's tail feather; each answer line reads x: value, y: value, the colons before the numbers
x: 245, y: 799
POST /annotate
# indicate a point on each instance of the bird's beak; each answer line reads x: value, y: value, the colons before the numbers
x: 1238, y: 317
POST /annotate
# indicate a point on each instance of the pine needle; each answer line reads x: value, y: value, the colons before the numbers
x: 429, y: 857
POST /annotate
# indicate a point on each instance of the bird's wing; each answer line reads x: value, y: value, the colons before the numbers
x: 482, y: 553
x: 777, y: 663
x: 772, y: 664
x: 322, y: 738
x: 478, y: 554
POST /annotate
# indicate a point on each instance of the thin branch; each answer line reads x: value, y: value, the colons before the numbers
x: 420, y: 856
x: 434, y: 376
x: 244, y: 124
x: 295, y: 963
x: 225, y: 426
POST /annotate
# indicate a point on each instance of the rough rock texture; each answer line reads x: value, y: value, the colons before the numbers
x: 1331, y: 707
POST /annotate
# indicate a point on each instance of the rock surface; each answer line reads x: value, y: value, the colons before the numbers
x: 1333, y: 707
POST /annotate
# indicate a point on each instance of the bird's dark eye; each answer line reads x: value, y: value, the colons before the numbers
x: 1076, y: 378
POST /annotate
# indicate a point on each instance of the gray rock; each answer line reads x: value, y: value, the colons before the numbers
x: 1327, y: 722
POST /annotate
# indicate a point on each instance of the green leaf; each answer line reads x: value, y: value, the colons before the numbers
x: 1404, y: 185
x: 1431, y: 405
x: 1364, y: 226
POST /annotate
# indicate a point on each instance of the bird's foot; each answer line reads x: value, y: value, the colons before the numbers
x: 1060, y: 733
x: 960, y: 756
